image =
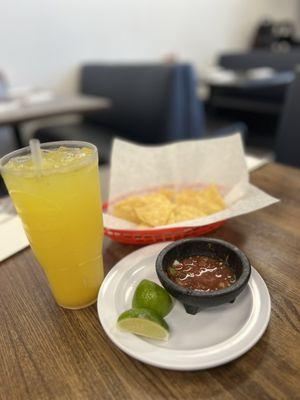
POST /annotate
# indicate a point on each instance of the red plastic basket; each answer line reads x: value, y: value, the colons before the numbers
x: 149, y: 236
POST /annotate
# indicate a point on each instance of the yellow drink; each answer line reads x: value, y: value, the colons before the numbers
x: 60, y: 207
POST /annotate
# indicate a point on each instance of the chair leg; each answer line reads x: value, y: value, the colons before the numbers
x: 18, y: 135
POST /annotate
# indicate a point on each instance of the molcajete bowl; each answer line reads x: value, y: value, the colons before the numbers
x: 195, y: 300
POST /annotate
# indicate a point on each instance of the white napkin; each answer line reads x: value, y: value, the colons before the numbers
x: 254, y: 163
x: 12, y: 235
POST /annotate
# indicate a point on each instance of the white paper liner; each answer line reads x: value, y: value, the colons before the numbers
x: 136, y: 168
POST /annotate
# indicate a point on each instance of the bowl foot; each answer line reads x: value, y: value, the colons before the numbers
x: 191, y: 309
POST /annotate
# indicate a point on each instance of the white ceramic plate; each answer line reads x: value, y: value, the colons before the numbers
x: 211, y: 338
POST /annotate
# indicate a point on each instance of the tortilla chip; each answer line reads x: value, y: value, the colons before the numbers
x: 126, y: 209
x: 184, y: 212
x: 166, y: 206
x: 209, y: 200
x: 155, y: 211
x: 169, y: 193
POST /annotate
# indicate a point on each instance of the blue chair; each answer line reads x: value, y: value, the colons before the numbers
x: 288, y: 135
x: 2, y: 88
x: 186, y: 114
x: 5, y: 134
x: 151, y: 104
x: 7, y: 142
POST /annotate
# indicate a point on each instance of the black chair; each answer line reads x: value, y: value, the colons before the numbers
x: 5, y: 133
x: 7, y: 138
x: 151, y: 104
x: 288, y: 136
x: 280, y: 61
x: 257, y: 102
x: 263, y: 96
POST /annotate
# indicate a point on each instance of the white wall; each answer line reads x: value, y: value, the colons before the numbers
x: 42, y: 42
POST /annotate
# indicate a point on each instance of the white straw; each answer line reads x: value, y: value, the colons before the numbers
x: 36, y: 154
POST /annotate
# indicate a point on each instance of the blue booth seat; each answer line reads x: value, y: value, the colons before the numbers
x: 151, y: 104
x: 288, y: 136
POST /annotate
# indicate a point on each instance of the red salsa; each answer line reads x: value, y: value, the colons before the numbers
x: 201, y: 273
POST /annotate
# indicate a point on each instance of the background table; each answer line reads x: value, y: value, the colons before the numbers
x: 47, y: 352
x: 50, y: 108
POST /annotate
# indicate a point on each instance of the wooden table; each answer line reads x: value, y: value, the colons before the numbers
x: 50, y: 108
x: 47, y: 352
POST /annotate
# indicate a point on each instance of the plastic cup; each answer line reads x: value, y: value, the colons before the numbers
x: 60, y: 208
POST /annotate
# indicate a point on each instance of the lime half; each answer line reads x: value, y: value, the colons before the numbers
x: 144, y: 322
x: 152, y: 296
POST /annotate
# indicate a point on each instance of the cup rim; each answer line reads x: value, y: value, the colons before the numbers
x: 67, y: 143
x: 180, y: 290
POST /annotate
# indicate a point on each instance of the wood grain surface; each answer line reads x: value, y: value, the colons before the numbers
x: 47, y: 352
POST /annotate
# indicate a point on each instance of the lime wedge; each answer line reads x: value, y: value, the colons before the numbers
x: 144, y: 322
x: 152, y: 296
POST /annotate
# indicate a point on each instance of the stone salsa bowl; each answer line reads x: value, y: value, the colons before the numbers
x: 193, y: 300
